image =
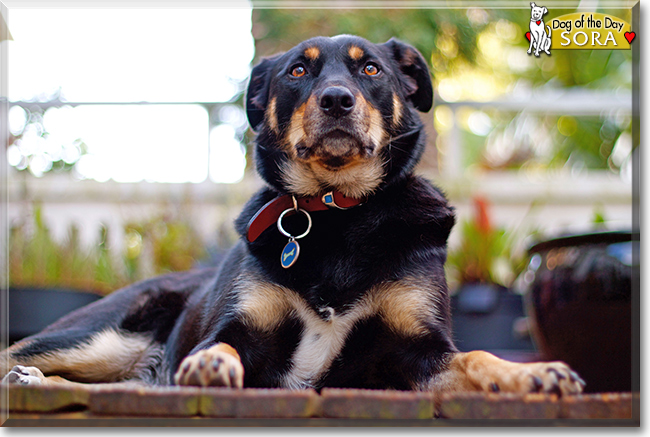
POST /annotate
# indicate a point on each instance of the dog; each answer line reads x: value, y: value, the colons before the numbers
x: 338, y: 278
x: 539, y: 38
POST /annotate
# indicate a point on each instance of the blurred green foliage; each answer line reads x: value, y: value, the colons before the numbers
x: 161, y: 245
x: 157, y: 246
x: 449, y: 37
x: 487, y: 253
x: 480, y: 54
x: 280, y: 29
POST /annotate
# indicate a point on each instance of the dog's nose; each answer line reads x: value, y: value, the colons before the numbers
x: 337, y: 101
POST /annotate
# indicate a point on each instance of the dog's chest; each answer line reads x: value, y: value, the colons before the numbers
x: 324, y: 336
x: 324, y: 330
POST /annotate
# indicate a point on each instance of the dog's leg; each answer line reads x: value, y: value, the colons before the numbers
x: 107, y: 356
x: 532, y: 39
x: 218, y: 366
x: 482, y: 371
x: 28, y: 375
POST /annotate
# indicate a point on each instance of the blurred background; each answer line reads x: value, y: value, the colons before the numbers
x: 129, y: 155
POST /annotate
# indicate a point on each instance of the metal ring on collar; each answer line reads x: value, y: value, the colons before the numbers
x: 281, y: 229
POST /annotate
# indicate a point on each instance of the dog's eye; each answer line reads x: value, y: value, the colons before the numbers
x: 371, y: 69
x: 298, y: 70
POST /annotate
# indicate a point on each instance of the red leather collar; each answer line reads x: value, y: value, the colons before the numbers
x: 269, y: 213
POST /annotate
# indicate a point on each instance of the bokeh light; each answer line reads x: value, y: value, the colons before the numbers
x: 227, y: 155
x: 154, y: 55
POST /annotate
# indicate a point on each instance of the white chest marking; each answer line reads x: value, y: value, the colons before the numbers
x: 403, y: 305
x: 321, y: 342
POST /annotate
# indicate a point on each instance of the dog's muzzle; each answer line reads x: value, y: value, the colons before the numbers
x: 335, y: 128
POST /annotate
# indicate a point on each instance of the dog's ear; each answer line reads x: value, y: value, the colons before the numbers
x: 416, y: 76
x: 257, y: 95
x: 532, y: 5
x: 545, y: 10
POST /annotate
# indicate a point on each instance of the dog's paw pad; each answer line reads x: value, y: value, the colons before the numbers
x: 553, y: 378
x: 24, y: 375
x: 210, y: 368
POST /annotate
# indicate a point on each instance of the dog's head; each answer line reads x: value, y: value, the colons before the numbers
x: 537, y: 12
x: 338, y: 113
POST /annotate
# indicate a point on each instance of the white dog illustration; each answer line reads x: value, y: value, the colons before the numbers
x: 538, y: 37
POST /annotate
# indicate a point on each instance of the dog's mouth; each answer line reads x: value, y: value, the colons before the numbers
x: 334, y: 150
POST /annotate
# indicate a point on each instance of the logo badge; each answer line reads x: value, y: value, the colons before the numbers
x: 577, y: 31
x: 540, y: 33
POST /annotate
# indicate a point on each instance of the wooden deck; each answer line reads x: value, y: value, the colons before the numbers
x: 187, y: 406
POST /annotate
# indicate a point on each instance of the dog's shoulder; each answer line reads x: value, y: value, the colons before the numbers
x: 417, y: 203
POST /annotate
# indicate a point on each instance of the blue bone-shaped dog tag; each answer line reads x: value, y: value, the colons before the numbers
x: 289, y: 254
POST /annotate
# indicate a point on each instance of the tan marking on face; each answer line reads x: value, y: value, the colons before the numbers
x: 357, y: 180
x: 355, y: 52
x: 376, y: 130
x: 272, y: 117
x: 296, y: 132
x: 397, y: 110
x: 374, y: 122
x: 359, y: 177
x: 312, y: 53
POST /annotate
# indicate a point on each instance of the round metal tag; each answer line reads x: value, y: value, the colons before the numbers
x: 289, y: 254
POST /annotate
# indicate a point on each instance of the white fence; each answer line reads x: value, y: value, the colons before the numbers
x: 560, y: 202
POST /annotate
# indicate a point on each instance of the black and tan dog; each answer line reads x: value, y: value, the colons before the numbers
x: 338, y: 279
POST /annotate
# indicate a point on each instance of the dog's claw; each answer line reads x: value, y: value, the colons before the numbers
x: 537, y: 384
x: 574, y: 377
x: 233, y: 374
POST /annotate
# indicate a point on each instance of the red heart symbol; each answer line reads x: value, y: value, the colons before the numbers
x: 528, y: 36
x: 629, y: 36
x: 538, y: 22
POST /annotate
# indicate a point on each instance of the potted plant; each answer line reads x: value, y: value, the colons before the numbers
x: 48, y: 278
x: 481, y: 268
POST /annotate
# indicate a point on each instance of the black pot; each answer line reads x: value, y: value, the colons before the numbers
x: 32, y: 309
x: 578, y: 292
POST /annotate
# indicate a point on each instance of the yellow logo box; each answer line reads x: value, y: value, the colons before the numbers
x: 588, y: 31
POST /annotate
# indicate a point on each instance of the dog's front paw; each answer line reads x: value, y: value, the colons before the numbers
x: 218, y: 366
x: 488, y: 373
x: 25, y: 376
x: 554, y: 377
